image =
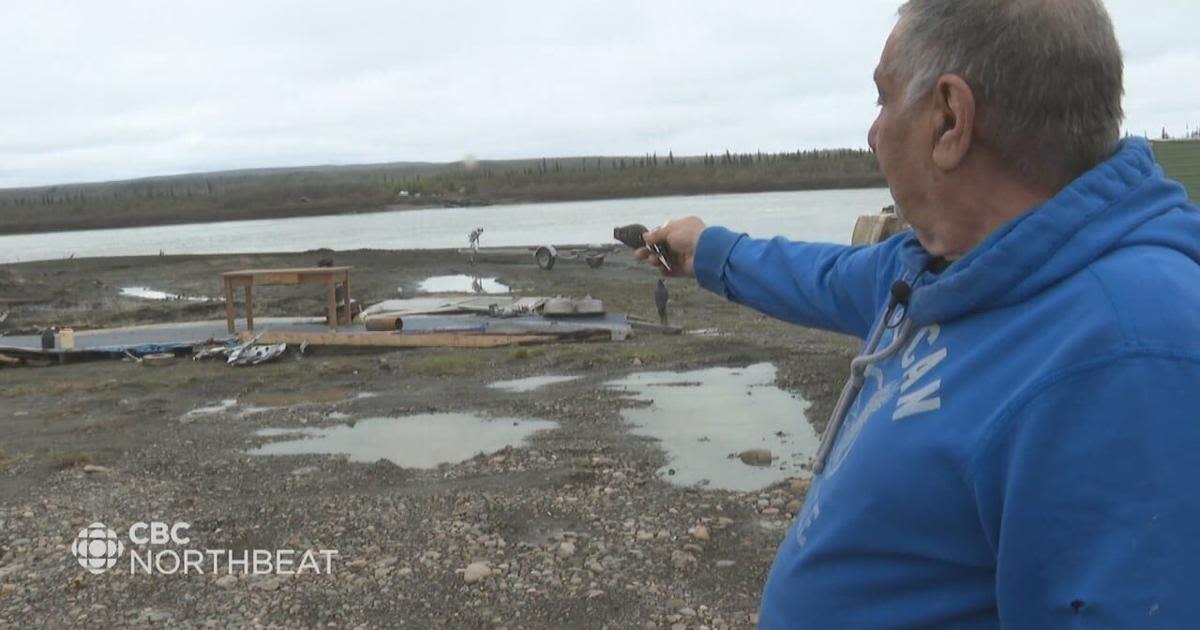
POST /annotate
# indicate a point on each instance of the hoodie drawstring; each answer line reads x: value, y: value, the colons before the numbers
x: 901, y: 291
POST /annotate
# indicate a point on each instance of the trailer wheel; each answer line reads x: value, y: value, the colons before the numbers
x: 595, y: 261
x: 545, y: 258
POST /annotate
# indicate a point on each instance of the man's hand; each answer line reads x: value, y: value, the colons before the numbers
x: 679, y: 237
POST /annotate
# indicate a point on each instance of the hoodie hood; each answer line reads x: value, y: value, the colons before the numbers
x: 1123, y: 202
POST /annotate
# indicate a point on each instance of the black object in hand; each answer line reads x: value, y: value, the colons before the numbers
x: 631, y: 235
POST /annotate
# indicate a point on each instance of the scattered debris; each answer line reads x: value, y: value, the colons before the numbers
x: 147, y: 293
x: 459, y: 339
x: 157, y: 359
x: 253, y: 355
x: 560, y: 306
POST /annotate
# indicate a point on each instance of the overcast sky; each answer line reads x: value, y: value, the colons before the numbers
x: 112, y: 89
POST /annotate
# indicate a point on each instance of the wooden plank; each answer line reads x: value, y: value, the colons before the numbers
x: 389, y: 340
x: 229, y: 305
x: 346, y: 298
x: 250, y: 306
x: 281, y: 278
x: 642, y: 325
x: 331, y: 303
x: 291, y: 270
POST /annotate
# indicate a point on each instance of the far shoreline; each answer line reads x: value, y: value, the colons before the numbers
x: 315, y: 210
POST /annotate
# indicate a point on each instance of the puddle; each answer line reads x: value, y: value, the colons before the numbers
x: 703, y: 417
x: 529, y: 384
x: 421, y: 441
x: 461, y: 284
x: 212, y: 410
x: 151, y: 294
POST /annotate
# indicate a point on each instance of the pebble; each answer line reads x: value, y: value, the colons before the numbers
x: 269, y: 584
x: 227, y: 581
x: 699, y: 532
x: 682, y: 559
x: 756, y: 457
x: 566, y: 550
x: 476, y: 571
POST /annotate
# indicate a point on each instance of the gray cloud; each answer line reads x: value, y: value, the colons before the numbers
x: 129, y: 88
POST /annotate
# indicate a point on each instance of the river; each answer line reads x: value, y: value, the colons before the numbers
x: 821, y: 215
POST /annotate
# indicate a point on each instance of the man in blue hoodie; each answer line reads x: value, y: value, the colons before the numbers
x: 1021, y: 446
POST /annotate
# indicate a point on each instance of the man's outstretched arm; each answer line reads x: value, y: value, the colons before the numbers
x: 821, y: 285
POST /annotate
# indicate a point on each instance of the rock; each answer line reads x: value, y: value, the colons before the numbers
x: 477, y: 571
x: 93, y: 469
x: 682, y: 559
x: 771, y: 511
x: 756, y: 457
x: 637, y: 362
x: 227, y: 581
x: 687, y: 612
x: 699, y: 532
x: 269, y: 584
x: 566, y: 550
x: 725, y: 564
x: 794, y: 506
x: 800, y: 485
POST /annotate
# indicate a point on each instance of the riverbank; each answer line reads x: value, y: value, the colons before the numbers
x: 309, y: 191
x: 580, y: 527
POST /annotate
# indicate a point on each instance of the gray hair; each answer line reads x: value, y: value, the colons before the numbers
x: 1046, y: 74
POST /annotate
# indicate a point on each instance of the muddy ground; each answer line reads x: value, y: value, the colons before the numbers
x: 577, y: 528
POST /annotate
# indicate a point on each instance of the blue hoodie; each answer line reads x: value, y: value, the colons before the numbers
x: 1030, y: 458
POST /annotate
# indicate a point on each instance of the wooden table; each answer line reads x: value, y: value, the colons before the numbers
x: 248, y: 278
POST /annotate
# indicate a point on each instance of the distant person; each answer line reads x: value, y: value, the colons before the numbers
x: 1020, y: 448
x: 661, y: 297
x: 473, y: 241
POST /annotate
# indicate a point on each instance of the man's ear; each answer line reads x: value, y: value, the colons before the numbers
x: 954, y: 121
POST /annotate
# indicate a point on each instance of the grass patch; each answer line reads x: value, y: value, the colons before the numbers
x: 1181, y: 160
x: 604, y: 354
x: 521, y: 354
x: 63, y: 460
x: 458, y: 364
